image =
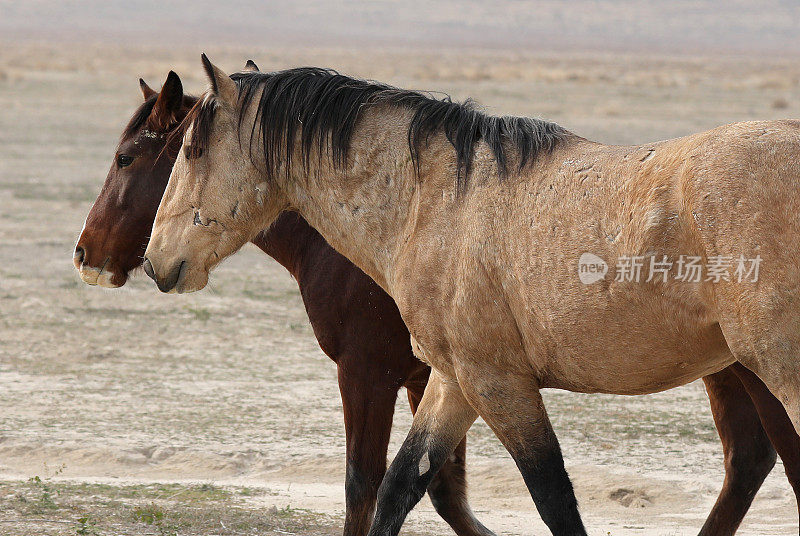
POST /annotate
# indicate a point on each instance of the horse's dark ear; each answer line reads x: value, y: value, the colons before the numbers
x: 147, y: 91
x: 221, y: 84
x: 250, y: 67
x: 169, y: 103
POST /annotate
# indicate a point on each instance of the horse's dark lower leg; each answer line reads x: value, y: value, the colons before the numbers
x: 440, y: 424
x: 776, y: 423
x: 448, y: 489
x: 368, y: 407
x: 749, y: 456
x: 543, y: 469
x: 514, y: 409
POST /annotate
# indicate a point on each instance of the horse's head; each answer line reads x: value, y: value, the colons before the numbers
x: 217, y: 197
x: 115, y: 234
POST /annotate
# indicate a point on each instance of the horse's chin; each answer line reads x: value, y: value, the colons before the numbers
x: 117, y: 279
x: 190, y: 281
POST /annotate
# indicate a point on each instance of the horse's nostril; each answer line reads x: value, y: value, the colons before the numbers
x: 171, y: 280
x: 80, y: 255
x: 148, y: 269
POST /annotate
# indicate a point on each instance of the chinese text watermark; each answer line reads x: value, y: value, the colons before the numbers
x: 661, y: 268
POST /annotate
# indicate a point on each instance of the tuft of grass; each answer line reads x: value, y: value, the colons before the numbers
x: 87, y: 526
x: 200, y: 313
x: 43, y: 500
x: 149, y: 514
x: 300, y: 326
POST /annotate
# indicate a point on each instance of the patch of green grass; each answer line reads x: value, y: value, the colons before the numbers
x: 87, y: 526
x: 43, y: 495
x: 248, y: 492
x: 149, y: 514
x: 49, y: 506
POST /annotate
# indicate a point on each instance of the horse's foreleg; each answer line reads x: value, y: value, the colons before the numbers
x: 749, y: 456
x: 512, y: 406
x: 776, y: 423
x: 441, y: 422
x: 368, y: 405
x: 448, y: 489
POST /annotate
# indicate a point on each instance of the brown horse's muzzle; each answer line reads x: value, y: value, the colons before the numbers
x: 95, y: 268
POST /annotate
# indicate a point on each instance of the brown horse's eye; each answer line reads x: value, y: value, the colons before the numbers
x: 124, y: 160
x: 192, y: 152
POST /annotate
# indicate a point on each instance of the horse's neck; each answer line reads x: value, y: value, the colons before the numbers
x: 363, y: 209
x: 292, y: 242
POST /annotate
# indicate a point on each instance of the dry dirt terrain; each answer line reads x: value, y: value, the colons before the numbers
x: 133, y: 412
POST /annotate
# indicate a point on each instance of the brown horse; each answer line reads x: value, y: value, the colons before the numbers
x: 484, y: 274
x: 356, y: 323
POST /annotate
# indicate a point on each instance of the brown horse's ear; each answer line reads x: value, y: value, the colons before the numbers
x: 250, y: 67
x: 147, y: 91
x: 221, y: 84
x: 168, y: 104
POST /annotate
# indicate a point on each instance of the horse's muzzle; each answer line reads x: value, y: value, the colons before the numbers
x: 168, y: 282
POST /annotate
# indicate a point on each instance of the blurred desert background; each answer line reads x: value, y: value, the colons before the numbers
x: 131, y: 412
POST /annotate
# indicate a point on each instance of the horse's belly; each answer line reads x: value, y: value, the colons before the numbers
x: 629, y: 339
x: 638, y: 352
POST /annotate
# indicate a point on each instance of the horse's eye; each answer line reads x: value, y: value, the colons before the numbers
x: 192, y: 152
x: 124, y: 160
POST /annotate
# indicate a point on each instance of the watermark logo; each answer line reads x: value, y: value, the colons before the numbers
x: 686, y: 268
x: 591, y: 268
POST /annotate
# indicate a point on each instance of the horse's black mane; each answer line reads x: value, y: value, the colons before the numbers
x: 322, y: 106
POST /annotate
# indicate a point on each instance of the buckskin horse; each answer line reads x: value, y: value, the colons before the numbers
x: 473, y: 224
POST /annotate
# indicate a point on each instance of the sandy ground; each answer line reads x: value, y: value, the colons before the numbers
x: 228, y: 386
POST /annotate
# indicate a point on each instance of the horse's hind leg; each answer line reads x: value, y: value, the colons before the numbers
x: 448, y: 489
x: 749, y: 456
x: 440, y: 424
x: 777, y: 425
x: 368, y: 405
x: 512, y: 406
x: 762, y: 330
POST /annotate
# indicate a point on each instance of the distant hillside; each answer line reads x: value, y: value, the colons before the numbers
x: 711, y: 26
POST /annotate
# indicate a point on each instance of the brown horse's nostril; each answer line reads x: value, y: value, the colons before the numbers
x: 148, y: 269
x: 80, y: 255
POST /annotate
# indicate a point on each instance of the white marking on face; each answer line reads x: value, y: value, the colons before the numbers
x: 104, y: 279
x: 84, y: 226
x: 86, y: 219
x: 89, y: 274
x: 96, y: 276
